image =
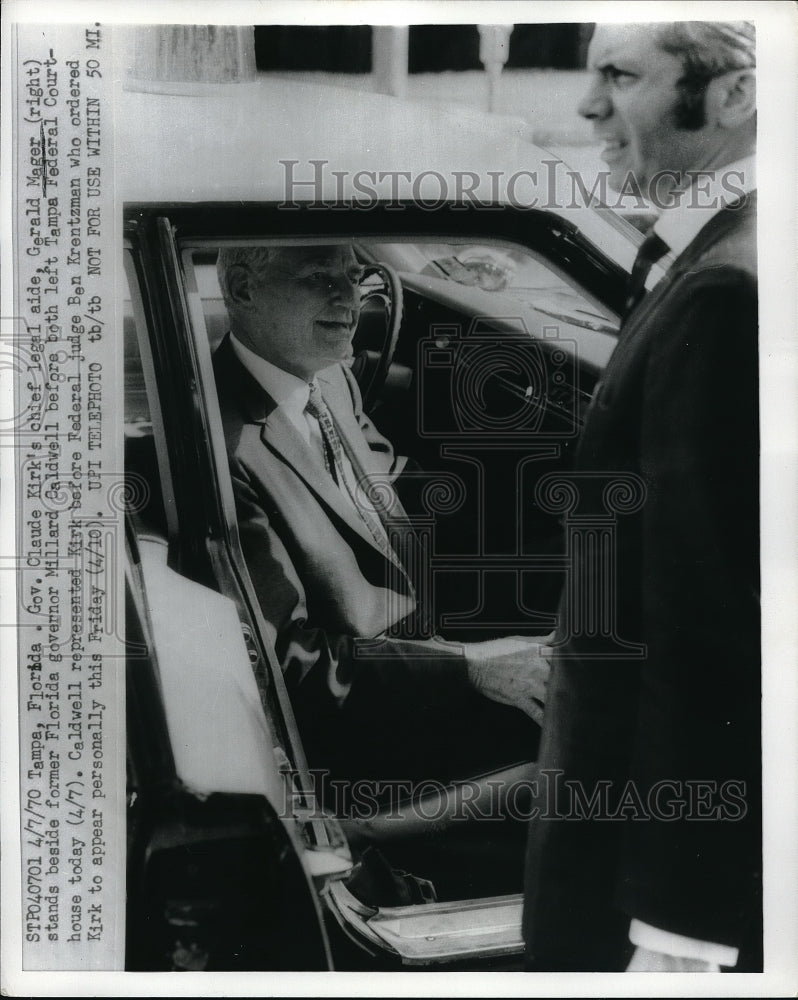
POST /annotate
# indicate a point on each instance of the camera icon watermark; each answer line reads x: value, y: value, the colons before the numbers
x: 493, y: 380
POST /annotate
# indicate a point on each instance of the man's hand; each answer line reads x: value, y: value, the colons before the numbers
x: 512, y: 670
x: 644, y: 960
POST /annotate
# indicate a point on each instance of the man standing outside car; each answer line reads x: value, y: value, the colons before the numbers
x: 661, y: 875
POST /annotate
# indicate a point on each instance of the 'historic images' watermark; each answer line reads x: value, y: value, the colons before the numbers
x: 543, y: 795
x: 556, y: 186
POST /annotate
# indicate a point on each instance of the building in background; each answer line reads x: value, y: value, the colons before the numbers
x: 432, y: 48
x: 541, y: 80
x: 530, y: 72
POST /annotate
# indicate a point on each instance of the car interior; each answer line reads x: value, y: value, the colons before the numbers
x: 478, y: 361
x: 466, y: 361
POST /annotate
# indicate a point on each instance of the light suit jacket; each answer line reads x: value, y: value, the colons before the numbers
x: 323, y: 583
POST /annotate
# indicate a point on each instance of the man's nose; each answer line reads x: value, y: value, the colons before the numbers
x: 346, y: 289
x: 596, y: 104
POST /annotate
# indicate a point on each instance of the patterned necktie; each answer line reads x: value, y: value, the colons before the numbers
x: 651, y: 250
x: 334, y: 463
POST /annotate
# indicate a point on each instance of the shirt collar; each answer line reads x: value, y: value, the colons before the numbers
x: 713, y: 189
x: 287, y: 391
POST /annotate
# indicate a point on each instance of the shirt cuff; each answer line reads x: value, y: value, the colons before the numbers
x: 646, y: 936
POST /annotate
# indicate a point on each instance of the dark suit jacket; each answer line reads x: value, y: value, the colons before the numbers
x: 678, y: 408
x: 325, y: 587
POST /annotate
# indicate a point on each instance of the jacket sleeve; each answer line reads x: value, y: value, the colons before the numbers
x: 690, y: 868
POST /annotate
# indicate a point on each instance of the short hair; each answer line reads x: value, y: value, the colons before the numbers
x: 257, y: 259
x: 707, y: 49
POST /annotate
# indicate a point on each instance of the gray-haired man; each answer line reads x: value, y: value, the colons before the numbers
x: 369, y: 702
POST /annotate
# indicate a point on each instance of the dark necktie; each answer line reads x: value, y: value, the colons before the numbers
x: 651, y: 250
x: 334, y: 463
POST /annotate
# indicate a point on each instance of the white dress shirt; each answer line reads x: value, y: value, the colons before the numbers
x: 678, y: 226
x: 288, y: 391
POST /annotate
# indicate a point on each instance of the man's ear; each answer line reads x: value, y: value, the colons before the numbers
x: 239, y: 285
x: 731, y: 98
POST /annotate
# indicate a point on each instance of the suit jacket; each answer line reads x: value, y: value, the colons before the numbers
x: 677, y: 408
x: 326, y: 588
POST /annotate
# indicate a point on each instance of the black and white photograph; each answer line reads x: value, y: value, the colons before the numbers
x: 399, y: 452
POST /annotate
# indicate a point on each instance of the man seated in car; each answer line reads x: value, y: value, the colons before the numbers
x: 320, y: 555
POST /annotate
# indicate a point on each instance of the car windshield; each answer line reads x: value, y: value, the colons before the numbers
x: 512, y: 271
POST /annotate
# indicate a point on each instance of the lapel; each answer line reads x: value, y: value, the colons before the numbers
x: 337, y: 396
x: 720, y: 225
x: 640, y: 322
x: 282, y: 440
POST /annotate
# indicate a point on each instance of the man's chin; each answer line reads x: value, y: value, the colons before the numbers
x: 344, y: 356
x: 621, y: 179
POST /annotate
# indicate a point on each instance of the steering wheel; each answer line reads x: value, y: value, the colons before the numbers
x: 378, y: 330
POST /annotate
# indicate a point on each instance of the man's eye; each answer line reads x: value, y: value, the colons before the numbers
x: 619, y: 76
